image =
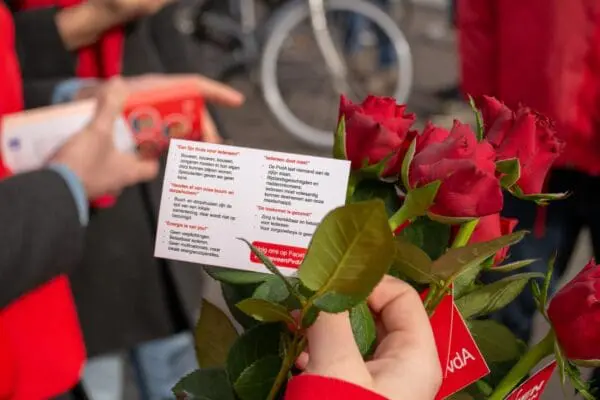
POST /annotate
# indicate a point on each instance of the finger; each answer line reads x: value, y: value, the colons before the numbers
x: 211, y: 135
x: 111, y: 98
x: 403, y: 317
x: 302, y: 361
x: 331, y: 342
x: 216, y: 92
x: 137, y: 169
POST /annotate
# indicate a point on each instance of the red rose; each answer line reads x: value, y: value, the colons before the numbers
x: 525, y: 135
x: 465, y: 168
x: 574, y: 313
x: 375, y: 129
x: 492, y: 227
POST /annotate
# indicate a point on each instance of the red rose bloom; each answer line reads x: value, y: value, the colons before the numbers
x: 375, y: 129
x: 492, y: 227
x: 525, y: 135
x: 466, y: 169
x: 575, y: 315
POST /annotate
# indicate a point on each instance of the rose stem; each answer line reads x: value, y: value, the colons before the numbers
x: 529, y: 360
x: 464, y: 233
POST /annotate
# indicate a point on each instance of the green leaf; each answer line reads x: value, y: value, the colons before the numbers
x: 233, y: 294
x: 363, y: 327
x: 512, y: 266
x: 412, y: 262
x: 405, y: 172
x: 480, y: 131
x: 489, y: 298
x: 273, y: 289
x: 375, y: 171
x: 496, y: 342
x: 265, y: 311
x: 256, y: 343
x: 547, y: 282
x: 419, y: 200
x: 587, y: 363
x: 430, y: 236
x: 334, y: 302
x: 459, y: 260
x: 460, y: 396
x: 213, y: 336
x: 373, y: 189
x: 339, y: 143
x: 204, y: 384
x: 510, y: 170
x: 449, y: 220
x: 349, y: 253
x: 271, y: 267
x: 256, y: 381
x: 235, y: 277
x: 310, y: 317
x: 541, y: 199
x: 466, y: 280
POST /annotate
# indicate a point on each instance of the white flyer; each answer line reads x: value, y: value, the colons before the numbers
x: 215, y: 194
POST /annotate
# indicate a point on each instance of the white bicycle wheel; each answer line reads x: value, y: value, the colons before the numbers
x: 282, y: 25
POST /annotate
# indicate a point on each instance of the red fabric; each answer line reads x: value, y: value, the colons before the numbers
x: 102, y: 60
x: 314, y: 387
x: 41, y: 345
x: 544, y: 54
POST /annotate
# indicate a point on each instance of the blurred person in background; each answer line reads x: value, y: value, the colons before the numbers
x: 126, y: 299
x: 544, y: 54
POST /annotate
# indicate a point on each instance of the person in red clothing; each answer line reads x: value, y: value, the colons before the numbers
x: 544, y: 54
x: 404, y: 366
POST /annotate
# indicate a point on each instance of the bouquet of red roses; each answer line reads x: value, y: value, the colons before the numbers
x: 423, y: 207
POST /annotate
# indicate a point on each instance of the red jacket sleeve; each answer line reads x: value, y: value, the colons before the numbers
x: 314, y: 387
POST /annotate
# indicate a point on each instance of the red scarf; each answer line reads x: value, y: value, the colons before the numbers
x: 41, y: 346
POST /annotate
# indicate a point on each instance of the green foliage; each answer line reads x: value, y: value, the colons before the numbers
x: 339, y: 142
x: 363, y: 327
x: 410, y: 154
x: 234, y: 276
x: 265, y: 311
x: 374, y: 189
x: 255, y: 344
x: 256, y: 381
x: 496, y: 342
x: 514, y: 266
x: 479, y: 128
x: 510, y: 170
x: 233, y: 294
x: 430, y: 236
x: 416, y: 204
x: 412, y: 262
x: 569, y: 371
x: 350, y: 252
x: 489, y: 298
x: 204, y: 384
x: 213, y: 336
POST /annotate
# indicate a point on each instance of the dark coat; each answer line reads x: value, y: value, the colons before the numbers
x: 124, y: 295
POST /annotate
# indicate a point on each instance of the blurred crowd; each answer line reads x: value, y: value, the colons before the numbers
x: 541, y: 53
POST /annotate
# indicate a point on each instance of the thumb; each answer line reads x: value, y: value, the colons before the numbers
x: 137, y: 169
x: 111, y: 99
x: 331, y: 344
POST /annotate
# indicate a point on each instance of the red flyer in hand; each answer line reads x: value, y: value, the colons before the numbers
x: 466, y: 363
x: 533, y: 387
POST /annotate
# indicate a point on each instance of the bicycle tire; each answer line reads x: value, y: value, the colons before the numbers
x: 283, y: 22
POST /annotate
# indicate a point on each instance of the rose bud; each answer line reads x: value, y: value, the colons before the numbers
x: 492, y: 227
x: 375, y: 129
x: 574, y: 313
x: 524, y: 135
x: 466, y: 169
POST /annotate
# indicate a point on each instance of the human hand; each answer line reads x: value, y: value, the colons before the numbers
x: 212, y: 91
x: 126, y: 10
x: 405, y: 364
x: 91, y: 154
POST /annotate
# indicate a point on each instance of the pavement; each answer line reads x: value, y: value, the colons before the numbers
x: 435, y: 65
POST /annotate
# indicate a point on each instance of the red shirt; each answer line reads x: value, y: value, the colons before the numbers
x: 314, y: 387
